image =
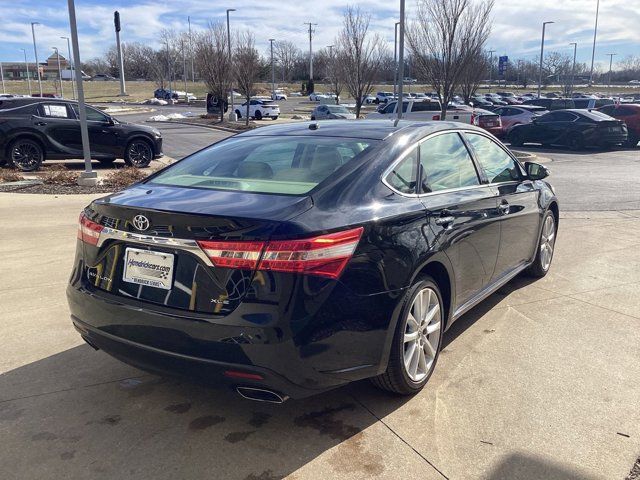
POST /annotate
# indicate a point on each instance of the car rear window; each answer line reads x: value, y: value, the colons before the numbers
x: 288, y: 165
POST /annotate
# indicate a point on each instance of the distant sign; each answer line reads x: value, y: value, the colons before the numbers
x: 502, y: 64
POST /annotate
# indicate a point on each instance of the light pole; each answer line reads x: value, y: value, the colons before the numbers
x: 184, y: 71
x: 273, y: 72
x: 491, y: 68
x: 399, y: 102
x: 2, y: 76
x: 544, y: 25
x: 88, y: 177
x: 310, y: 55
x: 395, y: 60
x: 73, y: 87
x: 193, y: 71
x: 116, y: 24
x: 59, y: 71
x: 573, y: 68
x: 232, y: 112
x: 595, y: 34
x: 35, y: 52
x: 26, y: 64
x: 611, y: 55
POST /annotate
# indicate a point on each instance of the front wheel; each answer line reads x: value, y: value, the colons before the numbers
x: 516, y: 139
x: 26, y: 154
x: 138, y: 154
x: 258, y: 115
x: 546, y: 246
x: 238, y: 116
x: 417, y: 340
x: 633, y: 140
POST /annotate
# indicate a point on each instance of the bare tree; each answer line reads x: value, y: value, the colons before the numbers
x: 444, y: 38
x: 286, y: 54
x: 334, y: 75
x: 213, y: 62
x: 359, y: 54
x: 247, y: 66
x: 475, y: 70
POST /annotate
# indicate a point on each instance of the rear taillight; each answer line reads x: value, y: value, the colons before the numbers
x: 325, y: 256
x: 436, y: 117
x: 88, y: 231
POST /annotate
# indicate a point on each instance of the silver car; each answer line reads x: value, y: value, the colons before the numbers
x: 328, y: 112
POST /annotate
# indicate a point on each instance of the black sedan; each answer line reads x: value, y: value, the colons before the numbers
x: 33, y: 130
x: 292, y: 259
x: 574, y: 128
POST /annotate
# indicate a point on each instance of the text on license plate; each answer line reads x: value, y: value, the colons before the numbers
x: 145, y: 267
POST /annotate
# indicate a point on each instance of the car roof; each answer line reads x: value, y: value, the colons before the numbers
x: 365, y: 129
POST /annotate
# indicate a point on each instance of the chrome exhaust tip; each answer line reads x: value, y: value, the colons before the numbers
x: 261, y: 395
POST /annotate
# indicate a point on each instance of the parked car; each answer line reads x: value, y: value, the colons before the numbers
x: 480, y: 101
x: 552, y: 103
x: 384, y: 97
x: 630, y: 115
x: 489, y: 121
x: 166, y: 94
x: 332, y: 112
x: 103, y: 77
x: 426, y: 111
x: 368, y: 99
x: 317, y: 96
x: 279, y: 95
x: 589, y: 103
x: 517, y: 115
x: 259, y: 109
x: 319, y: 255
x: 574, y: 128
x: 34, y: 130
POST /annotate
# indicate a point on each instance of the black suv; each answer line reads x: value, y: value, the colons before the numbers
x: 33, y: 130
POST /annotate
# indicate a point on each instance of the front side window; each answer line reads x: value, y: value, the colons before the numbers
x: 92, y: 114
x: 264, y: 164
x: 446, y: 164
x: 497, y: 164
x: 403, y: 176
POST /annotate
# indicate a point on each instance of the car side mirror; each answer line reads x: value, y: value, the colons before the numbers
x: 111, y: 121
x: 535, y: 171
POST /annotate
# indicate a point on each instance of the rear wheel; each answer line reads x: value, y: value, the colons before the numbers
x: 417, y: 340
x: 546, y: 245
x: 26, y: 154
x: 238, y: 116
x: 258, y: 115
x: 633, y: 141
x: 138, y: 153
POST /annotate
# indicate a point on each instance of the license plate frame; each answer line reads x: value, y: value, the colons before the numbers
x: 152, y: 269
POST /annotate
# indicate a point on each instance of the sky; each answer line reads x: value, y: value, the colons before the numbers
x: 516, y: 27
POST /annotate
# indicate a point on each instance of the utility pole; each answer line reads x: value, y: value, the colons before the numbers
x: 395, y: 60
x: 399, y: 102
x: 169, y: 68
x: 73, y: 88
x: 26, y: 64
x: 310, y: 54
x: 193, y: 71
x: 59, y: 71
x: 35, y: 52
x: 491, y: 52
x: 88, y: 177
x: 573, y: 68
x: 611, y: 55
x: 232, y: 112
x: 116, y: 22
x: 544, y: 25
x: 184, y: 72
x: 595, y: 34
x: 2, y: 76
x: 273, y: 72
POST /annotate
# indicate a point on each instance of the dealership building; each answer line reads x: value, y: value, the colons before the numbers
x: 48, y: 69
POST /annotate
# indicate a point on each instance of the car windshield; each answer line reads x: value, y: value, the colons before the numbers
x: 288, y: 165
x: 337, y: 109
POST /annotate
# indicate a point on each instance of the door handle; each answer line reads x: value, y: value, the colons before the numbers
x: 41, y: 124
x: 503, y: 208
x: 445, y: 219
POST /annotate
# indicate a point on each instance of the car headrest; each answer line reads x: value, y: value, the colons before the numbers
x: 325, y: 159
x: 254, y: 170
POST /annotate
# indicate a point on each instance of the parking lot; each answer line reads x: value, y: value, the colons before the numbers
x: 538, y: 382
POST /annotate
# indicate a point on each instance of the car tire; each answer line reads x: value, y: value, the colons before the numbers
x: 313, y: 118
x: 138, y: 153
x: 632, y: 141
x: 545, y: 246
x: 575, y: 141
x: 25, y: 154
x: 274, y: 118
x: 516, y: 139
x: 258, y: 115
x: 238, y: 115
x: 416, y: 344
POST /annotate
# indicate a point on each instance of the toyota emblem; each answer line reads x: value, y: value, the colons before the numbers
x: 141, y: 222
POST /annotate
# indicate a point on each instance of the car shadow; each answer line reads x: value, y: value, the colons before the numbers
x: 521, y: 466
x: 539, y: 149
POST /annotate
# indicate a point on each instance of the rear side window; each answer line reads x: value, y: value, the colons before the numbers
x: 263, y: 164
x: 497, y: 164
x: 425, y: 107
x: 445, y: 164
x: 403, y: 175
x: 55, y: 110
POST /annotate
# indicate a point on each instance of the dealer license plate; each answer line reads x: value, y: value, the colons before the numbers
x: 145, y: 267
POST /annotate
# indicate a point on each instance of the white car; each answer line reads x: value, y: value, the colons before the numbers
x: 317, y: 96
x: 329, y: 112
x: 259, y: 109
x: 368, y: 99
x: 384, y: 97
x: 279, y: 95
x: 426, y: 111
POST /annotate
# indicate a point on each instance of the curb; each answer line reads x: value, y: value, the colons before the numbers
x: 211, y: 127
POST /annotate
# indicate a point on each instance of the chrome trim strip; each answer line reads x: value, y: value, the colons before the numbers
x: 187, y: 245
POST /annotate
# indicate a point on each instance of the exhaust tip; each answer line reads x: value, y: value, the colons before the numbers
x: 261, y: 395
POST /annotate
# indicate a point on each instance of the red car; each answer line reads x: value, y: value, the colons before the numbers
x: 515, y: 115
x: 490, y: 121
x: 629, y: 113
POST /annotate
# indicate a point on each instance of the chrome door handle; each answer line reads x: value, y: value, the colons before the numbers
x: 444, y: 221
x: 503, y: 208
x: 41, y: 124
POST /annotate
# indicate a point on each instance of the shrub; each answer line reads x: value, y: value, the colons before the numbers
x: 123, y: 177
x: 59, y: 175
x: 7, y: 175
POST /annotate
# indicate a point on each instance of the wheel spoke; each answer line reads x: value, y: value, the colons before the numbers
x: 411, y: 337
x: 434, y: 327
x: 430, y: 349
x: 415, y: 357
x: 413, y: 322
x: 408, y: 354
x: 431, y: 314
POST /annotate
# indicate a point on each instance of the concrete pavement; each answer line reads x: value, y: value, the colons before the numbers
x: 538, y: 382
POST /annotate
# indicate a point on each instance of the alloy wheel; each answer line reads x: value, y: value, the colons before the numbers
x: 140, y: 154
x: 422, y: 334
x: 547, y: 242
x: 26, y: 156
